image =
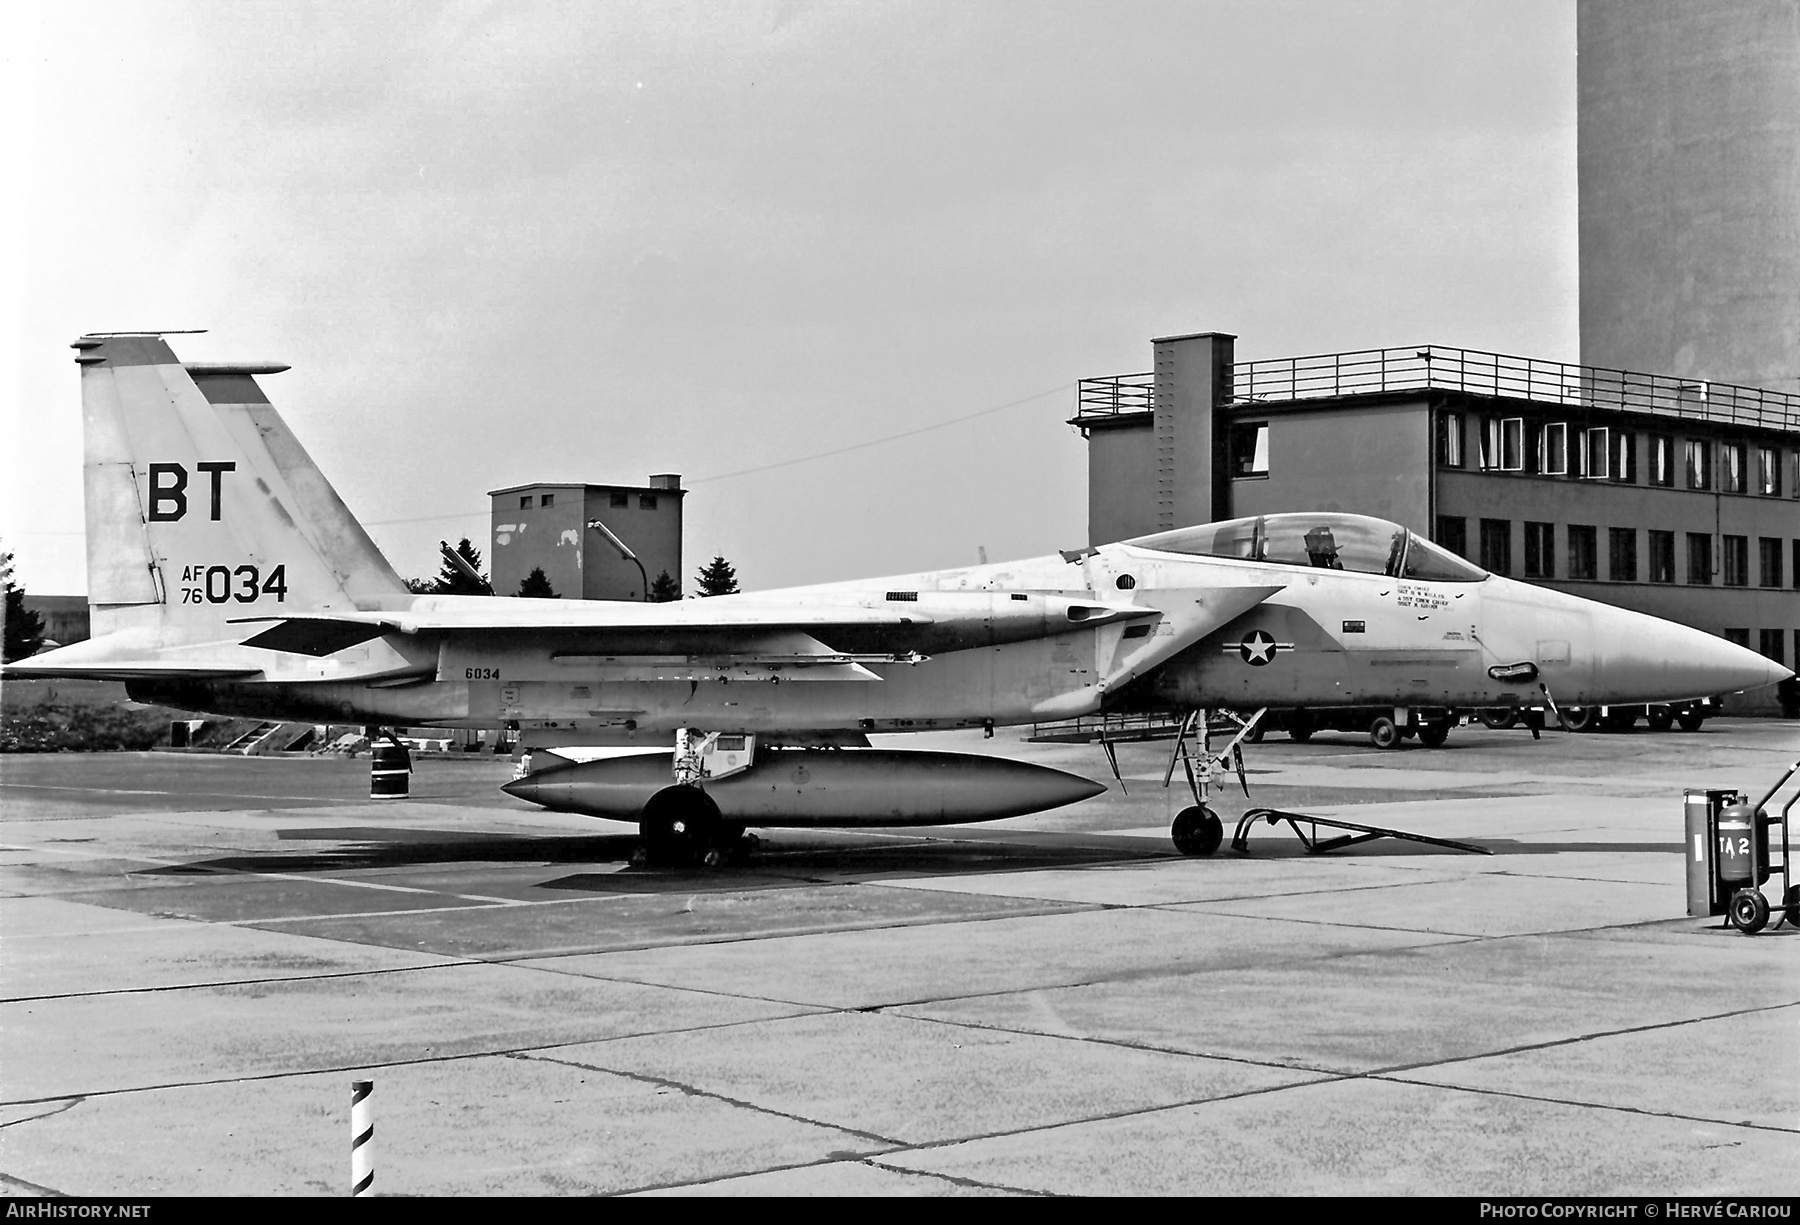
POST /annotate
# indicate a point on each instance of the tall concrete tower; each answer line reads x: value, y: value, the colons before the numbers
x: 1688, y: 136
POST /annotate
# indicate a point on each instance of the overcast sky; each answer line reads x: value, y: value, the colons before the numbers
x: 508, y: 242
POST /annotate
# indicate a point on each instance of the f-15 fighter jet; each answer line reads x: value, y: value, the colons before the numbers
x: 226, y: 576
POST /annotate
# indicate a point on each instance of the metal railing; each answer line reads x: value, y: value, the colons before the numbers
x: 1414, y: 368
x: 1114, y: 396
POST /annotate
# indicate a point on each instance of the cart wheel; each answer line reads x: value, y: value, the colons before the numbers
x: 1197, y: 831
x: 1749, y: 911
x: 1790, y: 903
x: 1433, y: 735
x: 1661, y: 718
x: 1500, y: 717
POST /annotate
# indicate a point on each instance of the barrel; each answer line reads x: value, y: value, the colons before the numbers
x: 390, y: 771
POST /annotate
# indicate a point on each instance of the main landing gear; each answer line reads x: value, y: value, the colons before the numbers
x: 681, y: 824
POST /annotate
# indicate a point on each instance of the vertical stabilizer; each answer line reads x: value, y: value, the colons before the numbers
x: 201, y: 504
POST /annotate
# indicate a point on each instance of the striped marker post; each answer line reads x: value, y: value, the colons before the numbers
x: 362, y: 1138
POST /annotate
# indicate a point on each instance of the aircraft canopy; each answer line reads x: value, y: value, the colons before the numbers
x: 1326, y: 540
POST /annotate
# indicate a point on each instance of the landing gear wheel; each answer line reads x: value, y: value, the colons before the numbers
x: 1433, y: 735
x: 715, y: 857
x: 1690, y: 720
x: 1255, y: 734
x: 1661, y: 718
x: 1581, y: 718
x: 1384, y: 733
x: 1622, y: 720
x: 1300, y: 726
x: 1500, y: 718
x: 679, y: 825
x: 1749, y: 911
x: 1197, y: 831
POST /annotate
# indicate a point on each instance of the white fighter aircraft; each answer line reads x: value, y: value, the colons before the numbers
x: 226, y: 576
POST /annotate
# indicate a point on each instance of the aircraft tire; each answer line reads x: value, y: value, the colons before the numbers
x: 679, y: 824
x: 1500, y: 717
x: 1690, y: 720
x: 1197, y: 830
x: 1622, y: 720
x: 1384, y: 733
x: 1661, y: 718
x: 1749, y: 911
x: 1300, y: 726
x: 1433, y: 735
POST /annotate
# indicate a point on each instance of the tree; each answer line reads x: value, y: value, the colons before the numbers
x: 419, y: 586
x: 451, y: 581
x: 24, y: 628
x: 717, y: 577
x: 536, y: 585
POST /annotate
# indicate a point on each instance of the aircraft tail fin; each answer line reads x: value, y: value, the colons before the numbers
x: 201, y: 505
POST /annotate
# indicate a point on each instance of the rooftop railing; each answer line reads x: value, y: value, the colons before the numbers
x: 1416, y: 368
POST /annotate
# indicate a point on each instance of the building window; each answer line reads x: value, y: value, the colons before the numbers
x: 1450, y: 439
x: 1737, y: 636
x: 1621, y: 549
x: 525, y: 502
x: 1540, y: 550
x: 1503, y: 444
x: 1453, y: 534
x: 619, y: 501
x: 1737, y: 561
x: 1553, y: 449
x: 1581, y: 551
x: 1662, y: 460
x: 1732, y: 468
x: 548, y: 499
x: 1768, y: 472
x: 1250, y: 448
x: 1770, y: 644
x: 1662, y: 557
x: 1596, y: 453
x: 646, y: 501
x: 1769, y: 551
x: 1624, y: 466
x: 1731, y: 460
x: 1496, y: 545
x: 1699, y: 559
x: 1699, y: 464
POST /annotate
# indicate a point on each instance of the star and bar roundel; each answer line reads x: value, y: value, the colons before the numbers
x: 1258, y: 648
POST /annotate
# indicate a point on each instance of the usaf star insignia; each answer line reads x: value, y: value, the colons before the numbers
x: 1258, y: 648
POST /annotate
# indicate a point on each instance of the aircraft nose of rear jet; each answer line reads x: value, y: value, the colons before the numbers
x: 1645, y: 659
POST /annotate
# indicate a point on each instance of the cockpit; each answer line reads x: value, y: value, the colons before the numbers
x: 1322, y: 540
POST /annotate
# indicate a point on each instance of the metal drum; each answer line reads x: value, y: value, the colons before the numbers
x: 390, y: 771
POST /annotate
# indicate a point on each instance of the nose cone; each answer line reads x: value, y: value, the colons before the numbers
x: 1639, y: 658
x: 526, y: 789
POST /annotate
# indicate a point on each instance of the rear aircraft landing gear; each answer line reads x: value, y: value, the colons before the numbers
x: 681, y: 825
x: 1197, y: 830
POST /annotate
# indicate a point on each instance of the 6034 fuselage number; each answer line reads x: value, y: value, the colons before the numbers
x: 223, y: 584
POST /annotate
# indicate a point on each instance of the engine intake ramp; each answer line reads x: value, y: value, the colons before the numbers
x: 1315, y: 845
